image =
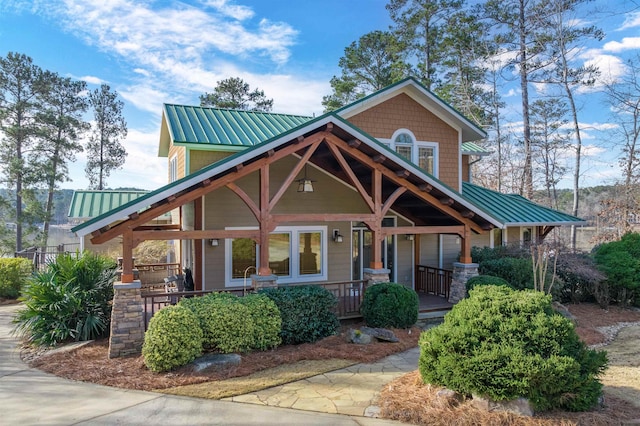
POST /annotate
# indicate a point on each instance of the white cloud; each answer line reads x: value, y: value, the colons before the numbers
x: 628, y: 43
x: 235, y: 11
x: 611, y: 67
x: 631, y: 20
x: 145, y: 97
x: 91, y: 79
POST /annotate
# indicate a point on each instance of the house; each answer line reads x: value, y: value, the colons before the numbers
x: 380, y: 189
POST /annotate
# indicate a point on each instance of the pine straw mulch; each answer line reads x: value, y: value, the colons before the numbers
x: 409, y: 400
x: 90, y: 363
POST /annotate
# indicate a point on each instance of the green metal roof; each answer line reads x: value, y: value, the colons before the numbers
x: 512, y: 209
x: 89, y: 204
x: 215, y: 126
x: 474, y: 149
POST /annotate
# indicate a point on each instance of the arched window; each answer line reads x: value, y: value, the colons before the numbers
x: 421, y: 153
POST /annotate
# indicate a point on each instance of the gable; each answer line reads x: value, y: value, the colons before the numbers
x: 403, y: 112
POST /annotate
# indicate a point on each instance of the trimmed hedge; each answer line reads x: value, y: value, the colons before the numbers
x: 479, y: 280
x: 506, y: 344
x: 266, y: 319
x: 518, y: 272
x: 14, y: 273
x: 226, y: 324
x: 307, y: 312
x: 389, y: 305
x: 173, y: 339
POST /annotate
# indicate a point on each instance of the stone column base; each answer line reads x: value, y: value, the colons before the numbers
x: 461, y: 274
x: 375, y: 276
x: 127, y: 320
x: 263, y: 281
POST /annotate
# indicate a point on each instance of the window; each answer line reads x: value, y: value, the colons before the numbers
x: 296, y: 254
x: 421, y: 153
x: 173, y: 169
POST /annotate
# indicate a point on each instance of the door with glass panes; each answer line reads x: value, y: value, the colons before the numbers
x: 361, y: 249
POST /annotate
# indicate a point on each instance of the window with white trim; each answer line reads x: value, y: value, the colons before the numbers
x: 173, y: 169
x: 421, y: 153
x: 296, y: 254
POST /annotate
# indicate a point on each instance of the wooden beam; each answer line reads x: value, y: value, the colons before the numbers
x: 329, y: 127
x: 127, y: 257
x: 134, y: 215
x: 468, y: 214
x: 187, y: 196
x: 425, y: 196
x: 403, y: 173
x: 425, y: 187
x: 239, y: 167
x: 245, y: 197
x: 465, y: 246
x: 379, y: 158
x: 264, y: 219
x: 354, y: 143
x: 352, y: 176
x: 322, y: 217
x: 202, y: 234
x: 418, y: 230
x: 163, y: 227
x: 447, y: 201
x: 299, y: 139
x: 292, y: 175
x: 206, y: 182
x: 392, y: 199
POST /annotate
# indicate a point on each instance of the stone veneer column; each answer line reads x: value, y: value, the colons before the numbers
x: 461, y: 274
x: 127, y: 320
x: 375, y: 276
x: 264, y: 281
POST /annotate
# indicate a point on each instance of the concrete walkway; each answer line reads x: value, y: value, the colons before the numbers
x: 31, y: 397
x: 352, y: 391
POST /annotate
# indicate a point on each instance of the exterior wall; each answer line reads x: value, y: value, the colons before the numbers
x: 429, y: 250
x: 404, y: 256
x: 450, y: 251
x: 481, y: 240
x: 466, y: 175
x: 513, y: 235
x: 200, y: 159
x: 401, y: 111
x: 180, y: 152
x: 223, y: 208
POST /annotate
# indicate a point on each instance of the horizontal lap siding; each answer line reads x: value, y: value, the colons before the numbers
x: 381, y: 121
x: 222, y: 208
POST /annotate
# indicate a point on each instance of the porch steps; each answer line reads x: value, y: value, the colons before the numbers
x: 432, y: 318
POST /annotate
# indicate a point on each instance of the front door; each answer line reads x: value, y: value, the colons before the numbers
x: 361, y: 253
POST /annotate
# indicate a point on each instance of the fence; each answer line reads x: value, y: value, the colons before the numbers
x: 435, y: 281
x: 41, y: 256
x: 348, y: 293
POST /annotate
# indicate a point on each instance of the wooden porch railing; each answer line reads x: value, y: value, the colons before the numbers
x: 432, y: 280
x: 348, y: 293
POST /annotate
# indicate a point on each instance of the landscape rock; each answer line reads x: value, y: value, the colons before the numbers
x: 520, y: 406
x: 381, y: 334
x: 358, y: 337
x: 562, y: 310
x: 215, y: 362
x: 448, y: 398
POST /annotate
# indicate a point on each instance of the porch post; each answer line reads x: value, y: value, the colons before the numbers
x: 127, y: 257
x: 264, y: 277
x: 462, y: 270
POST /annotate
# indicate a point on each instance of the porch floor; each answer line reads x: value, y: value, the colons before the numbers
x: 431, y: 302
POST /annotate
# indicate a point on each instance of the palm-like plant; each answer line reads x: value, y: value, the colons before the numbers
x: 71, y: 300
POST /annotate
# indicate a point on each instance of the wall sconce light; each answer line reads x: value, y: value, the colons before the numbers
x: 305, y: 184
x: 410, y: 237
x: 214, y: 242
x: 336, y: 236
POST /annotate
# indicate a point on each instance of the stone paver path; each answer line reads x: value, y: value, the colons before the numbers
x: 352, y: 391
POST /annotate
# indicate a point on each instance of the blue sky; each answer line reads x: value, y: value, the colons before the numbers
x: 153, y: 52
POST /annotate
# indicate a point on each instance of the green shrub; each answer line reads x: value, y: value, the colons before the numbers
x: 227, y: 325
x: 71, y: 300
x: 307, y: 312
x: 518, y: 272
x: 389, y: 305
x: 506, y: 344
x: 14, y: 273
x: 620, y: 261
x: 479, y: 280
x: 266, y: 320
x: 173, y: 339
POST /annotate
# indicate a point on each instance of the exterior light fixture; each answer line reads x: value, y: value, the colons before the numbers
x: 305, y: 184
x: 214, y: 242
x: 410, y: 237
x: 336, y: 236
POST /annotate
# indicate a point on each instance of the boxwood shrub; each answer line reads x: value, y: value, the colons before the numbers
x: 307, y: 312
x: 14, y: 273
x: 227, y: 325
x: 173, y: 339
x: 505, y: 344
x: 389, y: 305
x: 266, y: 320
x: 479, y: 280
x: 518, y: 272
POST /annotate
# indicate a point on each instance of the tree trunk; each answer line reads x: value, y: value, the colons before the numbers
x: 524, y: 86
